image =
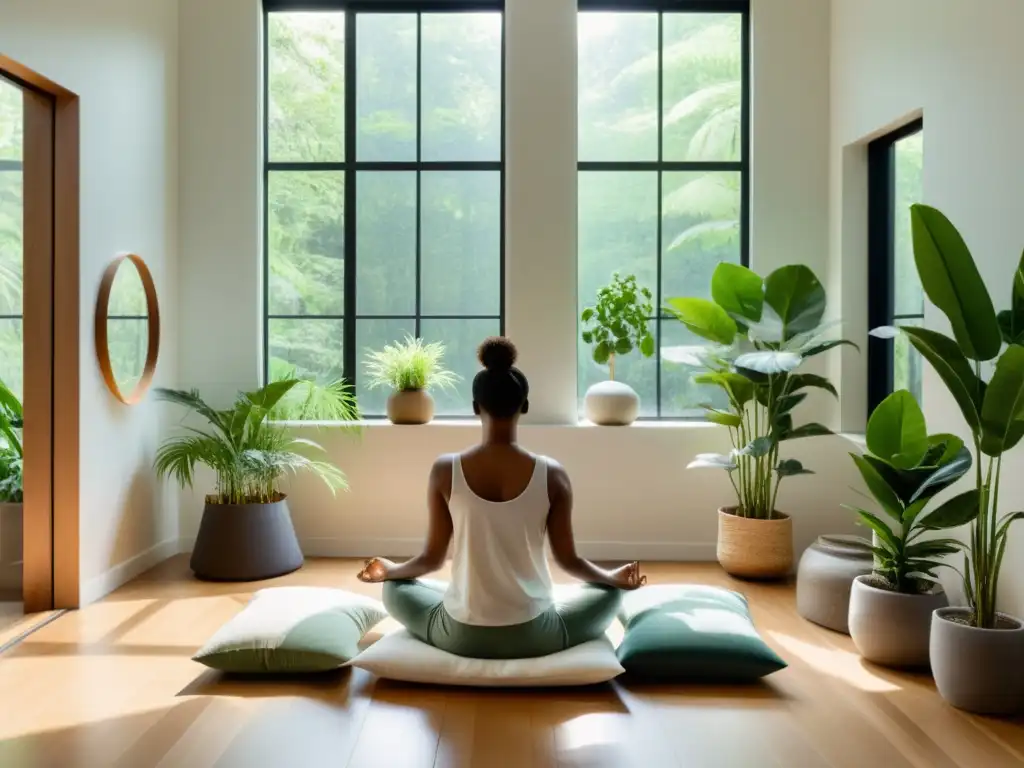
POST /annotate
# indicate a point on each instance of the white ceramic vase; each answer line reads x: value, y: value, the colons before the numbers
x: 611, y: 404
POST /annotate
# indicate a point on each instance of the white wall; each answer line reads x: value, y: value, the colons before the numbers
x: 120, y: 57
x: 634, y: 497
x: 959, y: 65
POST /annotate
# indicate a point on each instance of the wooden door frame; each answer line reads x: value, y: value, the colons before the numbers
x: 50, y: 312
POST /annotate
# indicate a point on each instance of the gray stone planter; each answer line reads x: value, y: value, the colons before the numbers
x: 978, y: 670
x: 825, y: 577
x: 890, y: 628
x: 245, y: 542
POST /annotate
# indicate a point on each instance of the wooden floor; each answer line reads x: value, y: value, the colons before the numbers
x: 113, y: 685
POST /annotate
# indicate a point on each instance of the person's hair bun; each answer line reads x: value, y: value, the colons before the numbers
x: 497, y: 353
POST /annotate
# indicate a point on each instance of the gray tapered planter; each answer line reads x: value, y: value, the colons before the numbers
x: 978, y: 670
x: 245, y: 542
x: 891, y: 628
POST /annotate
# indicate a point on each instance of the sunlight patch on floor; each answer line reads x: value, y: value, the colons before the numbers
x: 843, y: 665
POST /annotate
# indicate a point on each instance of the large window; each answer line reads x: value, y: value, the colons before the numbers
x: 663, y: 167
x: 895, y: 293
x: 384, y: 184
x: 11, y: 224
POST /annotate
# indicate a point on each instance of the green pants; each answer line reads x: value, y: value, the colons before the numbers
x: 418, y: 605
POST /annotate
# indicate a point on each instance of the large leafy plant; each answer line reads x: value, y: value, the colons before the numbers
x: 248, y: 452
x: 993, y: 409
x: 761, y: 332
x: 617, y: 323
x: 310, y: 400
x: 11, y: 457
x: 408, y: 366
x: 904, y: 469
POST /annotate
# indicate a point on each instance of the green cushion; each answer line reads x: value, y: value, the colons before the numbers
x: 293, y: 629
x: 692, y: 633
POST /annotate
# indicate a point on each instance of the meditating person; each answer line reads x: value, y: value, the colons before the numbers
x: 499, y: 501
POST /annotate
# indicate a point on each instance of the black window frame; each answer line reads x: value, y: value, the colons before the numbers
x: 351, y: 166
x: 882, y: 259
x: 662, y: 166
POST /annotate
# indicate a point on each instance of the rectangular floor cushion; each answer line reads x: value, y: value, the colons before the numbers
x: 293, y: 629
x: 680, y: 632
x: 400, y: 656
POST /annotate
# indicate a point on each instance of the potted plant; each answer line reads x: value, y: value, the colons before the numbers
x: 246, y: 532
x: 761, y: 332
x: 410, y: 369
x: 615, y: 326
x: 975, y: 650
x: 904, y: 469
x: 11, y: 491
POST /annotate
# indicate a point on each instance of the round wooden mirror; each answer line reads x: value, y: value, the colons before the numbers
x: 127, y: 328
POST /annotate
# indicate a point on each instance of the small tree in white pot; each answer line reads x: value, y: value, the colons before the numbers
x: 615, y: 326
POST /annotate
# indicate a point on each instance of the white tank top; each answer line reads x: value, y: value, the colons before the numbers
x: 500, y: 572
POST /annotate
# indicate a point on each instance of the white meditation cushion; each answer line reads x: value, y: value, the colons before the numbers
x: 400, y: 656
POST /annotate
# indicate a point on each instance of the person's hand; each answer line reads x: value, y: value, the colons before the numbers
x: 628, y: 577
x: 375, y: 570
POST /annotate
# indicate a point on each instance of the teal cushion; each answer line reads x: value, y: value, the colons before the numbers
x: 692, y: 633
x: 293, y: 629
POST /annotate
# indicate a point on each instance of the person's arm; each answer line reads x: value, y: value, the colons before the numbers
x: 439, y: 534
x: 563, y: 543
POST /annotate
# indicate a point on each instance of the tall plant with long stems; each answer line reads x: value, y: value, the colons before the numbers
x: 761, y: 330
x: 993, y: 409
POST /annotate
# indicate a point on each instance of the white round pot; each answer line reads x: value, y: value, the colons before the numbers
x: 892, y: 628
x: 611, y: 404
x: 978, y: 670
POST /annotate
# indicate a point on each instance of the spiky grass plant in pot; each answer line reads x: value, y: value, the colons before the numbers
x: 410, y: 369
x: 904, y: 469
x: 246, y: 532
x: 975, y: 650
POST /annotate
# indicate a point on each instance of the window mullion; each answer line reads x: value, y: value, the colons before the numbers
x: 419, y: 175
x: 349, y: 358
x: 660, y: 193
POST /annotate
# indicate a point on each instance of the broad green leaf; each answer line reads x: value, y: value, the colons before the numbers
x: 797, y: 297
x: 758, y: 447
x: 1011, y: 327
x: 945, y: 356
x: 738, y: 291
x: 885, y: 534
x: 587, y: 315
x: 911, y: 512
x: 954, y: 512
x: 943, y: 477
x: 647, y: 346
x: 602, y: 353
x: 883, y: 493
x: 903, y: 482
x: 825, y: 346
x: 704, y: 318
x: 803, y: 380
x: 623, y: 346
x: 738, y: 386
x: 769, y: 361
x: 791, y: 468
x: 951, y: 445
x: 897, y: 431
x: 812, y: 429
x: 933, y: 548
x: 721, y: 417
x: 951, y: 280
x: 1004, y: 402
x: 787, y: 403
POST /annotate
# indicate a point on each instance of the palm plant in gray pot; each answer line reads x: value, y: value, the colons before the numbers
x: 904, y: 469
x: 246, y: 532
x: 975, y: 650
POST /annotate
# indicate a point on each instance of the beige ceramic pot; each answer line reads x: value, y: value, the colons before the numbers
x: 412, y: 406
x: 755, y: 549
x: 611, y: 404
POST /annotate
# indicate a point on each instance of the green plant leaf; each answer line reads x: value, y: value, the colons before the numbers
x: 588, y: 315
x: 1004, y: 403
x: 791, y: 468
x: 934, y: 548
x: 1011, y: 327
x: 951, y: 446
x: 825, y: 346
x: 758, y: 447
x: 943, y: 477
x: 602, y: 353
x: 704, y: 318
x: 804, y: 380
x: 946, y: 357
x: 769, y: 361
x: 588, y: 337
x: 797, y: 297
x: 882, y: 492
x: 885, y: 534
x: 647, y: 346
x: 721, y: 417
x: 954, y: 512
x: 812, y: 429
x: 787, y: 403
x: 897, y: 432
x: 1007, y: 521
x: 911, y: 512
x: 951, y: 281
x: 737, y: 386
x: 738, y: 290
x: 623, y: 346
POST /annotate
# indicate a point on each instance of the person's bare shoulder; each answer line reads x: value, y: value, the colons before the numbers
x: 558, y: 480
x: 441, y: 474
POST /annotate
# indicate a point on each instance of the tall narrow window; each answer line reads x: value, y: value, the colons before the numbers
x: 11, y: 227
x: 895, y: 293
x: 663, y: 167
x: 385, y: 158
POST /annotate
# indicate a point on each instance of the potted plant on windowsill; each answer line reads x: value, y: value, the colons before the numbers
x: 615, y: 326
x: 410, y: 369
x: 761, y: 331
x: 11, y: 492
x: 904, y: 469
x: 246, y: 532
x: 975, y: 650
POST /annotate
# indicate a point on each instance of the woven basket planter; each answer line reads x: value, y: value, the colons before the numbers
x: 755, y: 549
